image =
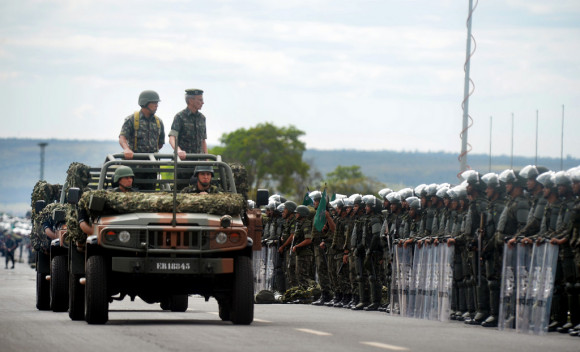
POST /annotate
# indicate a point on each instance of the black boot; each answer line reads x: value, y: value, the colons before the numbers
x: 345, y: 299
x: 337, y: 298
x: 372, y: 307
x: 353, y: 302
x: 324, y: 297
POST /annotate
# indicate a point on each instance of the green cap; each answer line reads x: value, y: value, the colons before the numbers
x: 193, y: 91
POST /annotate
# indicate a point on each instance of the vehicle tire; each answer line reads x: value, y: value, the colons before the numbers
x: 59, y: 284
x: 96, y: 293
x: 42, y: 292
x: 165, y: 303
x: 224, y: 311
x: 76, y: 298
x: 179, y: 303
x: 242, y: 312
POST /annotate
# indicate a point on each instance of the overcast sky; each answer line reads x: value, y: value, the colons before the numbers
x: 368, y: 75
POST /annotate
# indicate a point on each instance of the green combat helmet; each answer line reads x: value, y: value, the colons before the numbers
x: 122, y: 171
x: 203, y: 168
x: 303, y: 211
x: 290, y: 206
x: 148, y: 96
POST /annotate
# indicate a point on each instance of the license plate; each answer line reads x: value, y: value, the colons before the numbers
x: 172, y: 266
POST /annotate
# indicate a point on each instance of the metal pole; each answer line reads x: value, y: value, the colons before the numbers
x: 562, y: 142
x: 536, y: 160
x: 463, y: 160
x: 512, y: 149
x: 490, y: 124
x: 42, y: 146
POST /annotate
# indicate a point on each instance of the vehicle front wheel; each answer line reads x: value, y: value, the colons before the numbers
x: 96, y: 294
x: 42, y: 292
x: 242, y: 312
x: 76, y: 294
x: 59, y: 284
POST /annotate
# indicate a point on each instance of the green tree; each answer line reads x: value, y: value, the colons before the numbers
x: 350, y: 179
x: 272, y: 155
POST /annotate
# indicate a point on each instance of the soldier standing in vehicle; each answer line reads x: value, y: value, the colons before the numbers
x: 143, y: 132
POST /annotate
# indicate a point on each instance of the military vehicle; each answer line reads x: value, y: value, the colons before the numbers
x: 161, y: 245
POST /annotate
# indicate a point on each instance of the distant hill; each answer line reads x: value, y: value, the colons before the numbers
x: 20, y: 165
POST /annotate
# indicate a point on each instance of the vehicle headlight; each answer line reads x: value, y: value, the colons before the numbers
x: 221, y: 238
x: 124, y: 236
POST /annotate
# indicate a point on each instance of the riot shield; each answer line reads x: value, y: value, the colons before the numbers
x: 507, y: 296
x: 414, y: 281
x: 407, y: 280
x: 257, y: 263
x: 523, y: 261
x: 429, y: 253
x: 541, y: 313
x: 420, y: 281
x: 395, y: 279
x: 271, y: 251
x: 445, y: 287
x: 435, y: 280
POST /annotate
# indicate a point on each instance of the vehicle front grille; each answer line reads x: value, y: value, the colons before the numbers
x: 160, y: 239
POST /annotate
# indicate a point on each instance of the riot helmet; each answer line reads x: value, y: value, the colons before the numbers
x: 383, y: 193
x: 315, y: 196
x: 405, y: 193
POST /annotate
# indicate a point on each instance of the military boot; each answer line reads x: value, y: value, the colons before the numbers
x: 324, y: 297
x: 345, y: 299
x: 337, y: 298
x: 360, y: 306
x: 353, y: 302
x: 372, y: 307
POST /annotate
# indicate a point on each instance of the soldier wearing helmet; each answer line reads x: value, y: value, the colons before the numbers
x: 123, y: 177
x: 200, y: 182
x: 537, y: 202
x: 143, y: 132
x: 288, y: 228
x: 491, y: 254
x: 302, y: 246
x: 349, y: 253
x: 340, y: 249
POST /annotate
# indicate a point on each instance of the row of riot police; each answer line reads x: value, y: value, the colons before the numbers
x: 496, y: 250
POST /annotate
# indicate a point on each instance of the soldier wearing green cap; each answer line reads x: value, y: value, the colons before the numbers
x: 189, y: 126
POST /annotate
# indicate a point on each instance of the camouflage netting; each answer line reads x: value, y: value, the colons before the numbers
x: 266, y: 297
x: 37, y: 237
x: 133, y: 202
x: 73, y: 230
x: 309, y: 295
x: 49, y: 193
x: 240, y: 178
x: 78, y: 175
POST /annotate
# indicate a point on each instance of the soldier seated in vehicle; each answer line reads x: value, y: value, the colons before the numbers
x: 200, y: 182
x: 123, y: 178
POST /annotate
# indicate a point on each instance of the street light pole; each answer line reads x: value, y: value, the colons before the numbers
x: 42, y: 146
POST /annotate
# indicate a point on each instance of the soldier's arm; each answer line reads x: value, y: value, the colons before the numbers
x: 125, y: 145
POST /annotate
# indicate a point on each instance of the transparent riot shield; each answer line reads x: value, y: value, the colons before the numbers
x: 445, y: 289
x: 420, y: 281
x: 523, y: 261
x: 262, y: 269
x: 534, y: 289
x: 271, y: 252
x: 407, y: 280
x: 395, y: 281
x: 507, y: 296
x: 435, y: 279
x: 428, y: 281
x: 541, y: 313
x: 414, y: 281
x: 257, y: 263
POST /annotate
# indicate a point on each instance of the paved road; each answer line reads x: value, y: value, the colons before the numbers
x: 138, y: 326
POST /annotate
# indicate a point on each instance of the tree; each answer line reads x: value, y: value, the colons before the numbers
x: 350, y: 179
x: 272, y: 155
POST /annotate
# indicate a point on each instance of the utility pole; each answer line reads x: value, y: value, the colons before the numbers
x: 466, y: 94
x: 42, y: 146
x: 562, y: 142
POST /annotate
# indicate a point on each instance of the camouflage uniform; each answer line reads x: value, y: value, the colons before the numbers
x: 193, y: 189
x: 304, y: 255
x: 190, y: 129
x: 321, y: 263
x: 289, y: 263
x: 339, y: 246
x: 150, y: 138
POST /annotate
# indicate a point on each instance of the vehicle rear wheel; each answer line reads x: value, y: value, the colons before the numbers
x: 242, y: 311
x: 42, y: 292
x: 179, y: 303
x: 59, y: 284
x: 96, y: 293
x: 76, y: 294
x: 224, y: 311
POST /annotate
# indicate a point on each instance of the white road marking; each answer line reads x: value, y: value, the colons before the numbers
x: 315, y: 332
x: 384, y: 346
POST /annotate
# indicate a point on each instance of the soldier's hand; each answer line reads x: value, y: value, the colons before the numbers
x: 525, y: 240
x: 450, y: 242
x: 540, y: 240
x: 128, y: 153
x: 511, y: 243
x: 182, y: 154
x: 281, y: 250
x: 345, y: 258
x: 322, y: 246
x: 436, y: 242
x: 419, y: 244
x: 294, y: 249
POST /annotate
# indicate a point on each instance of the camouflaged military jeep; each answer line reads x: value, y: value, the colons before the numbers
x: 161, y: 245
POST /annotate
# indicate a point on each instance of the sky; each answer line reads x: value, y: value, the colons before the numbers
x: 367, y: 75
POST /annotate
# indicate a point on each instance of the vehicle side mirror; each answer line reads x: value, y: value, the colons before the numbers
x: 58, y: 216
x: 262, y: 197
x: 74, y: 195
x: 96, y: 203
x: 40, y: 204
